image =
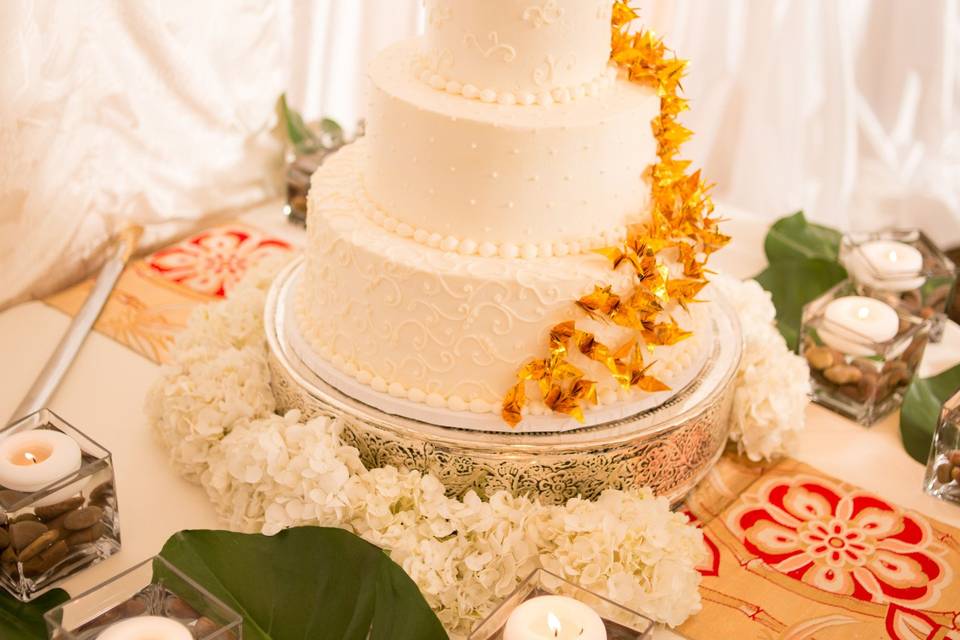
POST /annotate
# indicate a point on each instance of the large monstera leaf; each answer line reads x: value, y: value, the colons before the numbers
x: 803, y: 265
x: 19, y: 621
x: 308, y: 583
x: 921, y: 411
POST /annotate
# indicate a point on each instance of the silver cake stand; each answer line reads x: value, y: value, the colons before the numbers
x: 668, y: 448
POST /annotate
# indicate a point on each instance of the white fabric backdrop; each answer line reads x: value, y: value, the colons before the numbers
x: 160, y: 112
x: 114, y: 110
x: 849, y: 109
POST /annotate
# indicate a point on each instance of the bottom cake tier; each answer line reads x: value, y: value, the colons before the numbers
x: 668, y: 448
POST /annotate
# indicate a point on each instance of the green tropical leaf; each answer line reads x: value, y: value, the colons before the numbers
x: 793, y: 238
x: 19, y: 621
x: 333, y: 130
x: 303, y: 139
x: 921, y: 411
x: 306, y: 583
x: 793, y: 283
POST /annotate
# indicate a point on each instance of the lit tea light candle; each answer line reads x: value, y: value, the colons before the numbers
x: 554, y: 618
x: 31, y: 460
x: 854, y: 323
x: 146, y: 628
x: 888, y: 265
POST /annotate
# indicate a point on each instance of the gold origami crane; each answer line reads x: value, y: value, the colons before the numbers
x: 680, y: 227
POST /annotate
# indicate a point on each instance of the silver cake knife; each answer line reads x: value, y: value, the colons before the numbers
x: 66, y: 352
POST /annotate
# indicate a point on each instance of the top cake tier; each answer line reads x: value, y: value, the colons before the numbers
x: 517, y: 50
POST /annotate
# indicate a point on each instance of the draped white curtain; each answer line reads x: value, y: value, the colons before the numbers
x: 332, y: 41
x: 161, y: 112
x: 850, y: 110
x: 123, y: 110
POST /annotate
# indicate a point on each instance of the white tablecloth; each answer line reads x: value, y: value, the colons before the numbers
x: 104, y: 391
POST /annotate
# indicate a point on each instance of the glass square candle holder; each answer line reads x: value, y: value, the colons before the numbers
x: 58, y: 504
x: 943, y: 466
x: 902, y: 267
x: 862, y: 352
x: 546, y: 606
x: 152, y: 600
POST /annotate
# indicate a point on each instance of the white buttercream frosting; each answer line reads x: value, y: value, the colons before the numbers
x: 469, y: 247
x: 437, y: 327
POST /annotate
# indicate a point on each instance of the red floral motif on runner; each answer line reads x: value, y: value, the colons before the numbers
x: 212, y: 262
x: 852, y: 544
x: 907, y: 624
x: 710, y: 566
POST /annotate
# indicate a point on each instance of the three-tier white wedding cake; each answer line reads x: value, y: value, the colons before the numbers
x: 503, y: 150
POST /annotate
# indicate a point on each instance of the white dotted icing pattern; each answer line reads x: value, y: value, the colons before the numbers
x: 507, y: 175
x: 434, y: 327
x: 429, y: 71
x: 468, y: 247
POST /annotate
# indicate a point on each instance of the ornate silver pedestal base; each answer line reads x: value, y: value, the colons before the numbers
x: 668, y: 448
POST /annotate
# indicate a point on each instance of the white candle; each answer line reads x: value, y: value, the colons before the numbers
x: 854, y: 323
x: 554, y: 618
x: 887, y: 265
x: 32, y: 460
x: 146, y: 628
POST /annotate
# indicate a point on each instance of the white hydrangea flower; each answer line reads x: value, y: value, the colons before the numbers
x: 773, y: 383
x: 214, y: 411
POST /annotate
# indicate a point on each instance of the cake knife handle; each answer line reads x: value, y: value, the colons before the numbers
x: 66, y: 352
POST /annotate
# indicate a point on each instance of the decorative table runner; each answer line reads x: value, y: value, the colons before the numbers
x: 794, y: 553
x: 156, y: 294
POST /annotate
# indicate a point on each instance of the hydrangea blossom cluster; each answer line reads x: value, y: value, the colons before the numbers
x: 773, y: 383
x: 214, y: 411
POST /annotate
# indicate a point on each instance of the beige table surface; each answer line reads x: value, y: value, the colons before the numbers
x: 104, y: 391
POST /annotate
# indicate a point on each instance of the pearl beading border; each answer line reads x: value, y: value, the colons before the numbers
x: 544, y: 98
x: 488, y: 249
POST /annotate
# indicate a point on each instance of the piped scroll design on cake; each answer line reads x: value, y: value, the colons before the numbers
x: 545, y: 73
x: 681, y: 223
x: 439, y: 16
x: 435, y: 61
x: 505, y: 51
x: 543, y: 15
x: 321, y: 337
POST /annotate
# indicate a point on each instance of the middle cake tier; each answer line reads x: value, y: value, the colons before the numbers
x: 444, y: 329
x: 506, y: 178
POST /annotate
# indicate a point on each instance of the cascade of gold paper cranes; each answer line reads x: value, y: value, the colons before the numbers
x: 681, y: 225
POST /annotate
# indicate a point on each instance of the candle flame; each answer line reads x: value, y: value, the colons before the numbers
x: 32, y: 458
x: 863, y: 313
x: 554, y: 623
